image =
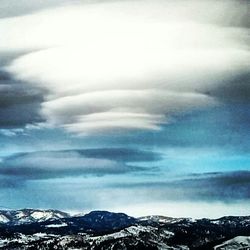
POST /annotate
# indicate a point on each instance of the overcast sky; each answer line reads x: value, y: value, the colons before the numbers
x: 134, y: 106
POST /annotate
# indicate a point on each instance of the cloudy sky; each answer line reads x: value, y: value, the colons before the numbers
x: 137, y: 106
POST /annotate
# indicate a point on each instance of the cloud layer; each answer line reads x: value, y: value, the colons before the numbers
x: 206, y: 195
x: 58, y: 164
x: 221, y: 186
x: 105, y: 69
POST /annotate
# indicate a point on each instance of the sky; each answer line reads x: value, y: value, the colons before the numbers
x: 139, y: 106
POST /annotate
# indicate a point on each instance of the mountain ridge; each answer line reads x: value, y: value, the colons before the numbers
x: 107, y: 230
x: 29, y: 215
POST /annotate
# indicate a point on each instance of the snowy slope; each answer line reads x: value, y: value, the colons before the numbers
x: 3, y: 219
x: 237, y: 243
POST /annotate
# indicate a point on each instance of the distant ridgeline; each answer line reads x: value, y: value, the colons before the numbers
x: 53, y: 229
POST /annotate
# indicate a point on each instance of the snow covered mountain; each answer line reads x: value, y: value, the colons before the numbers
x: 52, y: 229
x: 23, y: 216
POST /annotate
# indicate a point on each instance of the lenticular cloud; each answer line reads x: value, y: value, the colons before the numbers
x: 104, y: 67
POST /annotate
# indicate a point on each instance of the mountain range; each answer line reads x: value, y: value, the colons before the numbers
x: 54, y: 229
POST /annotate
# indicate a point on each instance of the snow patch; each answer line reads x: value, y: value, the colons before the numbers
x: 57, y: 225
x: 3, y: 219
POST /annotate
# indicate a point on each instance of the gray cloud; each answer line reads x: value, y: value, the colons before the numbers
x: 57, y: 164
x: 220, y: 186
x: 20, y: 103
x: 6, y: 56
x: 236, y: 89
x: 121, y: 154
x: 10, y: 8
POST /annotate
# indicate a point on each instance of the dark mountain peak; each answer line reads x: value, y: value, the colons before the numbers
x: 106, y: 215
x: 102, y: 221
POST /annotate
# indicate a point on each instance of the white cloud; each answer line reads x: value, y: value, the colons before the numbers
x: 108, y: 66
x: 121, y: 109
